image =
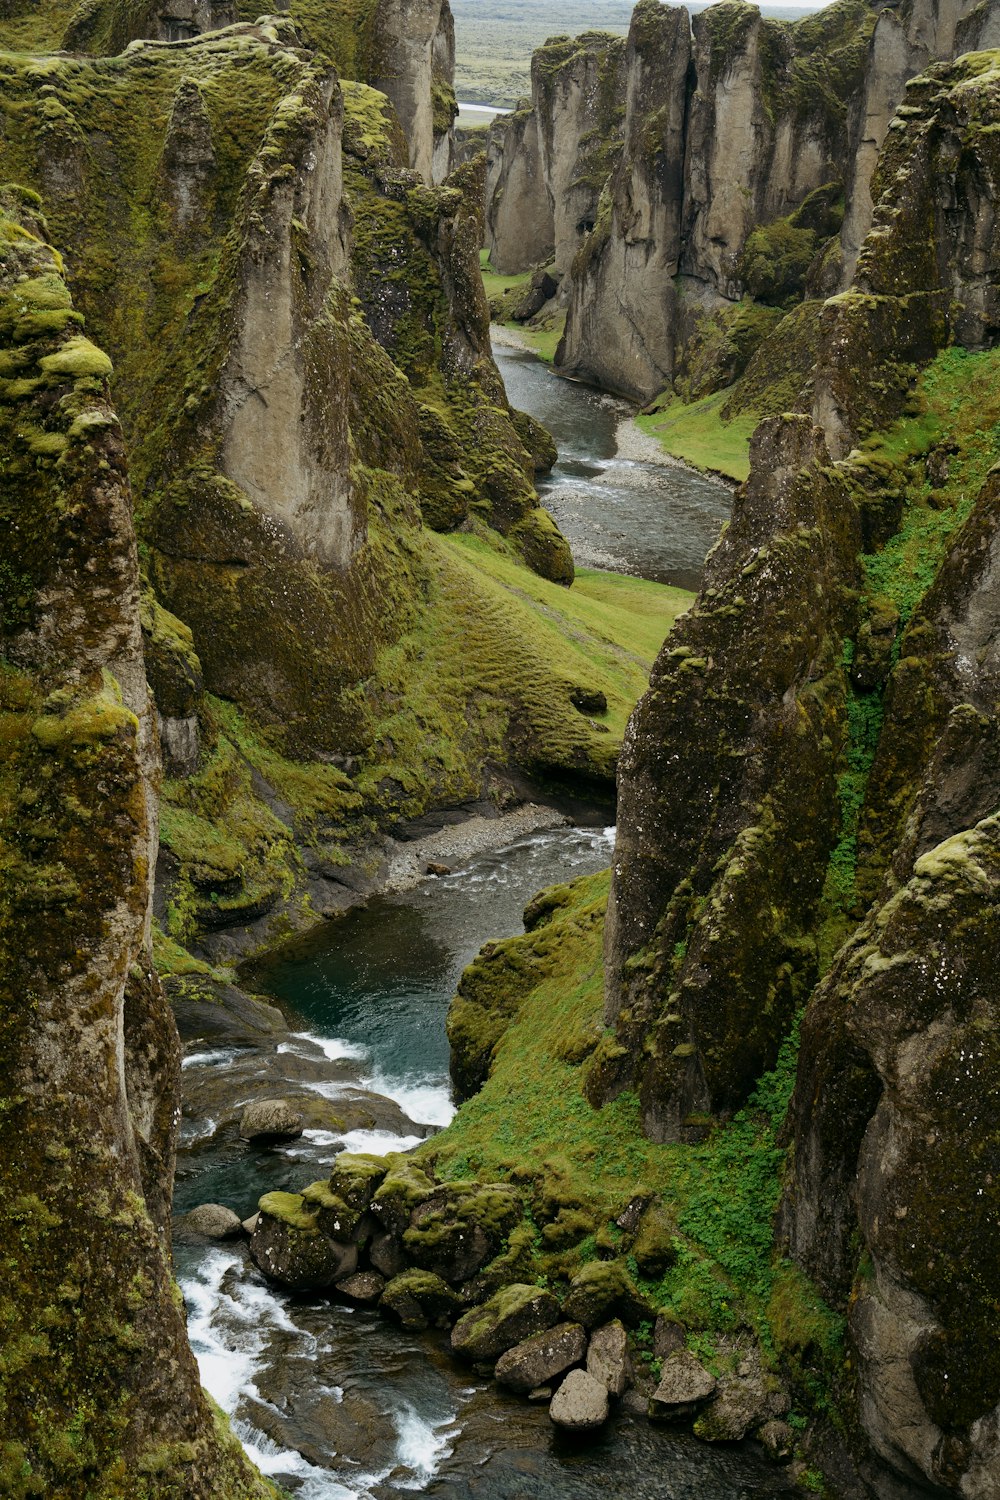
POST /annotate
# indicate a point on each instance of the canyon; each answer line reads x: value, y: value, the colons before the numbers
x: 279, y: 598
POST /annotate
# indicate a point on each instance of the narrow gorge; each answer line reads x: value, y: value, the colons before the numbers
x: 362, y: 1130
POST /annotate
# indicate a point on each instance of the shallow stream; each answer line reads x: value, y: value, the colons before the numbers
x: 651, y: 520
x: 336, y: 1402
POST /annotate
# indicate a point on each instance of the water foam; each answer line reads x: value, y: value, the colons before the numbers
x: 424, y: 1102
x: 333, y: 1048
x: 378, y: 1142
x: 423, y: 1445
x: 211, y: 1059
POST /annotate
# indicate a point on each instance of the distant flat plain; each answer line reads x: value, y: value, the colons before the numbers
x: 495, y: 39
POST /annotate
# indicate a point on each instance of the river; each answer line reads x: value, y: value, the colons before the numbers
x: 651, y: 520
x: 337, y: 1403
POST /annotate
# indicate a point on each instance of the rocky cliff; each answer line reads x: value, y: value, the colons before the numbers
x: 837, y: 780
x: 742, y: 185
x: 314, y: 352
x: 100, y: 1391
x: 405, y: 50
x: 548, y: 163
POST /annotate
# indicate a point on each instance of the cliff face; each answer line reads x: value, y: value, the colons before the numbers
x: 547, y: 165
x: 312, y: 409
x: 748, y: 150
x: 903, y: 43
x: 731, y: 123
x: 100, y: 1392
x: 404, y: 49
x: 814, y: 769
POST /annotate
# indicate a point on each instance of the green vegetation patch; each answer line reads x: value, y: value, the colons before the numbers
x: 541, y: 334
x: 578, y: 1166
x: 698, y: 433
x: 958, y: 416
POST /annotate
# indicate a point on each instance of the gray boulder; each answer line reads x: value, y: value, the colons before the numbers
x: 274, y: 1119
x: 607, y: 1357
x: 213, y: 1221
x: 539, y: 1359
x: 363, y: 1286
x: 580, y: 1403
x: 684, y: 1384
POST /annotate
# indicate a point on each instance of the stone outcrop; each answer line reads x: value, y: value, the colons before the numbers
x: 888, y: 844
x: 731, y: 121
x: 97, y: 1382
x: 742, y: 168
x: 727, y: 803
x: 406, y: 50
x: 905, y: 40
x: 548, y: 163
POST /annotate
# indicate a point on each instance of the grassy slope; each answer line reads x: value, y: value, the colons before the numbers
x: 530, y: 1123
x: 697, y: 434
x: 498, y: 642
x: 482, y: 675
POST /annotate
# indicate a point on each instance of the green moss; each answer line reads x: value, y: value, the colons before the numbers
x: 71, y: 727
x: 356, y: 1176
x: 698, y: 434
x: 291, y: 1209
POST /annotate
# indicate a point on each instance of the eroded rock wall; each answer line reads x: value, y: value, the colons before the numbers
x: 834, y: 787
x: 97, y: 1382
x: 748, y: 140
x: 904, y: 41
x: 548, y: 163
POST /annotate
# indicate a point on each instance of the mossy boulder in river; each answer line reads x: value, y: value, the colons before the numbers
x: 514, y: 1314
x: 289, y: 1246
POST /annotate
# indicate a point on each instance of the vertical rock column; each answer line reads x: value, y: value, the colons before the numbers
x: 99, y: 1390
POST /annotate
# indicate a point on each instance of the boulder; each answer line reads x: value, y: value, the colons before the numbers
x: 654, y: 1247
x: 356, y: 1177
x: 334, y: 1217
x: 512, y: 1315
x: 212, y: 1221
x: 603, y: 1290
x: 249, y: 1225
x: 288, y: 1247
x: 684, y: 1384
x: 542, y: 1357
x: 386, y: 1254
x: 588, y: 700
x: 420, y: 1299
x: 607, y: 1357
x: 363, y: 1286
x: 580, y: 1403
x: 208, y: 1010
x: 404, y: 1186
x: 778, y: 1440
x: 270, y: 1119
x: 458, y: 1228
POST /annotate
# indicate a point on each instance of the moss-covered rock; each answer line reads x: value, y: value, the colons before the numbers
x: 97, y: 1382
x: 513, y: 1314
x: 291, y: 1249
x: 356, y: 1176
x: 420, y: 1299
